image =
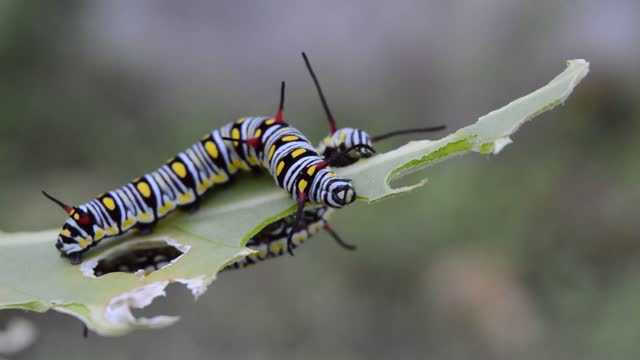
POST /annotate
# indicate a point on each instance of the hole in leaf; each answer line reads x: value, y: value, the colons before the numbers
x: 140, y: 258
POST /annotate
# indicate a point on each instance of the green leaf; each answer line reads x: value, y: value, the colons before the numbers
x: 215, y: 235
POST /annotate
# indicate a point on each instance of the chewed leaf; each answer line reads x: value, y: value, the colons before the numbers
x: 490, y: 134
x: 129, y: 272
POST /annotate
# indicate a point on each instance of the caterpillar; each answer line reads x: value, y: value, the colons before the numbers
x: 271, y: 241
x: 248, y: 144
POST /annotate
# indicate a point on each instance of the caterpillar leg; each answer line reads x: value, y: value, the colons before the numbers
x: 302, y: 197
x: 338, y: 157
x: 191, y: 208
x: 337, y: 238
x: 341, y: 158
x: 146, y: 229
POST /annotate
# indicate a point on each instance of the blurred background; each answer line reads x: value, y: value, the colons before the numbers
x: 531, y: 254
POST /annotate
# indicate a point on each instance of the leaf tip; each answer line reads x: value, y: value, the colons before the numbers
x: 500, y: 143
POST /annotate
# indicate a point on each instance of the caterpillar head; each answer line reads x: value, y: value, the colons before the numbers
x: 339, y: 193
x: 343, y: 139
x: 343, y: 195
x: 74, y: 237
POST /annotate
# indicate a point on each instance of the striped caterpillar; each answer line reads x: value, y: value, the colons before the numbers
x: 250, y: 143
x: 272, y: 241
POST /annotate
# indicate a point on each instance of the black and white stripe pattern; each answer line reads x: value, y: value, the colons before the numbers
x: 283, y: 150
x: 343, y: 139
x: 271, y: 242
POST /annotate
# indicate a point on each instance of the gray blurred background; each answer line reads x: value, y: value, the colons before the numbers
x: 531, y: 254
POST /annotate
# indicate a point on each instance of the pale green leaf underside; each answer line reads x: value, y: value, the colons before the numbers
x: 33, y: 277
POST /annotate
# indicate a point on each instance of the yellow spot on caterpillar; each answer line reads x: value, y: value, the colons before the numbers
x: 128, y: 222
x: 328, y: 215
x: 76, y: 216
x: 99, y: 234
x: 271, y: 151
x: 262, y: 253
x: 343, y: 134
x: 84, y: 242
x: 65, y: 232
x: 327, y: 140
x: 298, y: 152
x: 314, y: 228
x: 185, y: 198
x: 311, y: 170
x: 280, y: 167
x: 241, y: 120
x: 270, y: 121
x: 112, y: 230
x: 145, y: 217
x: 179, y: 169
x: 252, y: 160
x: 73, y: 211
x: 297, y: 239
x: 332, y: 174
x: 235, y: 133
x: 290, y: 138
x: 237, y: 164
x: 219, y: 179
x: 204, y: 186
x: 212, y: 149
x: 165, y: 208
x: 109, y: 203
x: 136, y: 179
x: 302, y: 185
x: 277, y: 247
x: 144, y: 189
x: 258, y: 133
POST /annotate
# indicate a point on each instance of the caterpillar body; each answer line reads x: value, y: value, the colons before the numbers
x: 271, y: 241
x: 280, y: 148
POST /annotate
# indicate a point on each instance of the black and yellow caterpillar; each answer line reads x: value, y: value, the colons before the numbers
x: 271, y: 241
x: 247, y: 144
x: 343, y: 147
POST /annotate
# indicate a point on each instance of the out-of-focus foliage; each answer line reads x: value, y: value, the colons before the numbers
x: 93, y: 94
